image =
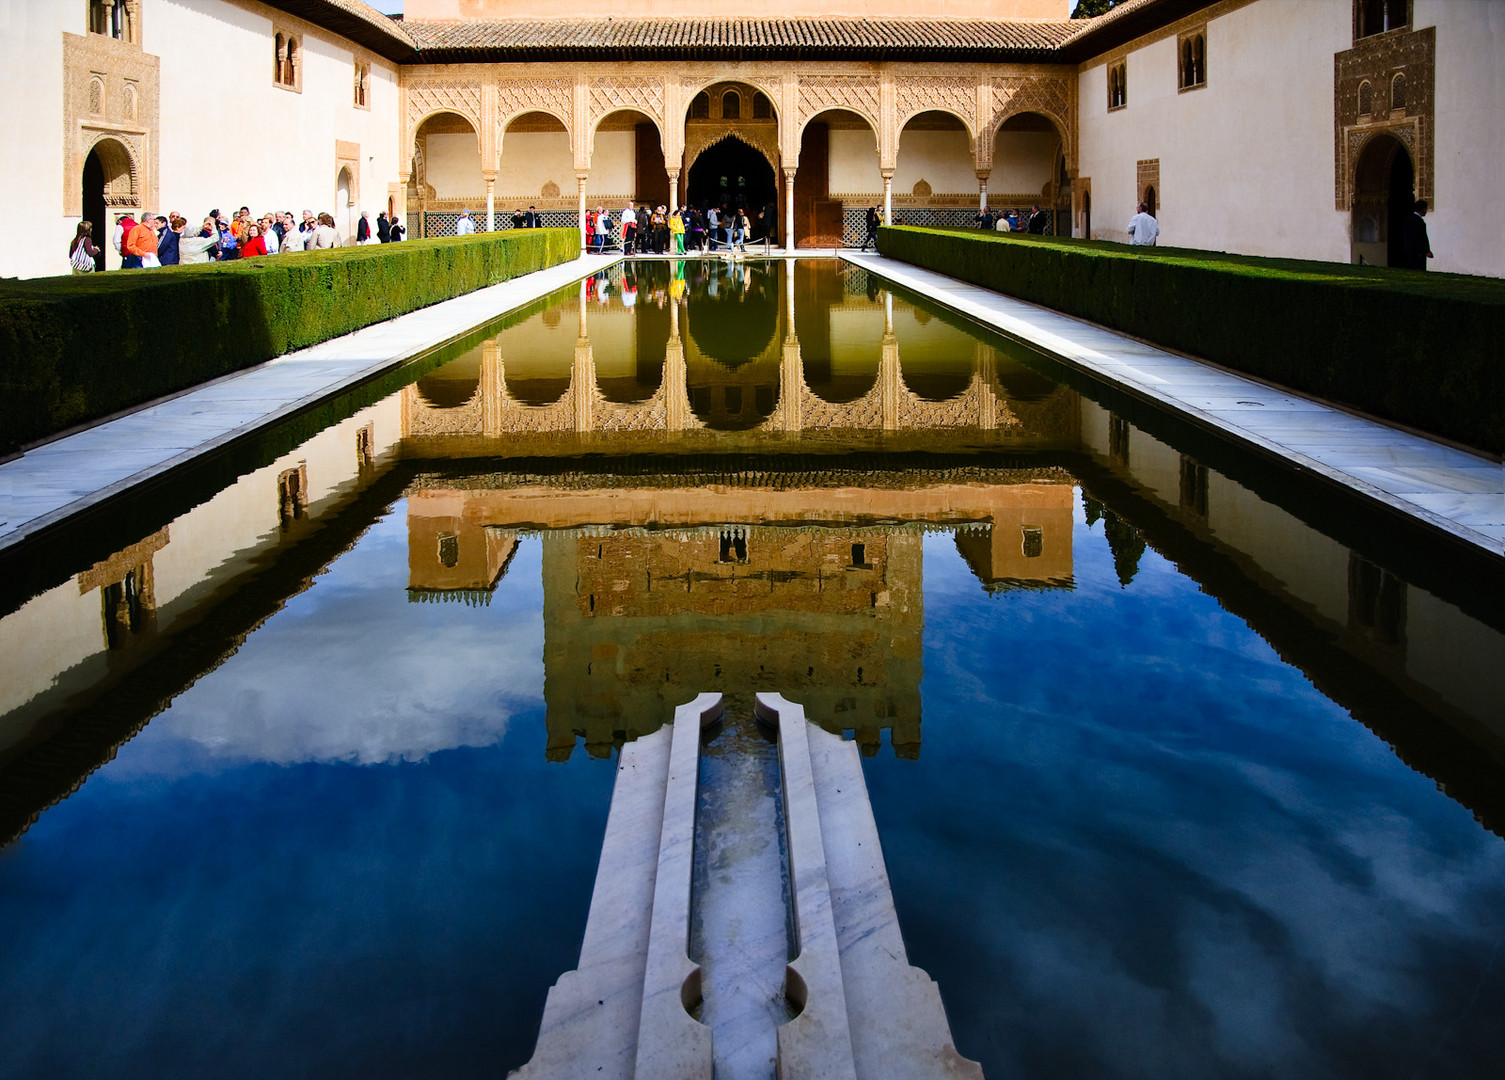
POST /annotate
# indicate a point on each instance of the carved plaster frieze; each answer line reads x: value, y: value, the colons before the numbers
x: 645, y: 93
x: 860, y: 94
x: 956, y: 94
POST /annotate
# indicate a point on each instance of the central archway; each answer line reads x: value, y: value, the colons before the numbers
x: 733, y: 173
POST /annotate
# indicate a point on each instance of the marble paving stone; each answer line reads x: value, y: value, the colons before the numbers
x: 1484, y: 480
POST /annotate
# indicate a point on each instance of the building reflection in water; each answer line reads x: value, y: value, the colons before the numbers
x: 813, y: 588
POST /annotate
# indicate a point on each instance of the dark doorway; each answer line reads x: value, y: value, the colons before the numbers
x: 94, y: 205
x: 1402, y: 197
x: 1087, y: 214
x: 734, y: 173
x: 1149, y: 201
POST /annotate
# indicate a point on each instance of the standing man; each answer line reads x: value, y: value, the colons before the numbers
x: 464, y: 227
x: 1038, y: 219
x: 872, y: 229
x: 530, y: 220
x: 1416, y: 248
x: 1143, y: 229
x: 383, y: 228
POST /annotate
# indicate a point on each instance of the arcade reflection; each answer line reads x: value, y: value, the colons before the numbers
x: 731, y: 468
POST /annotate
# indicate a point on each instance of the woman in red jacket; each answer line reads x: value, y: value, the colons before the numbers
x: 253, y: 244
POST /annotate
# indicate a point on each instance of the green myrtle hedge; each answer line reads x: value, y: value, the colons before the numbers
x: 1422, y: 349
x: 76, y: 348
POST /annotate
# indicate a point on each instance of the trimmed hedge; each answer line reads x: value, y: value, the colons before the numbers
x: 1421, y: 349
x: 76, y: 348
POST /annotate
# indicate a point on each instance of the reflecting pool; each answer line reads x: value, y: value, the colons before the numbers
x: 1183, y: 767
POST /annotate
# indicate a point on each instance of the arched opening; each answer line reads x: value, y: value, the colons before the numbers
x: 629, y: 341
x: 935, y: 176
x: 94, y: 205
x: 536, y: 169
x: 1384, y: 191
x: 446, y: 175
x: 1150, y: 200
x: 731, y: 105
x: 108, y: 189
x: 627, y: 154
x: 453, y: 384
x: 344, y: 201
x: 736, y: 319
x: 1027, y: 150
x: 937, y: 357
x: 838, y: 153
x: 732, y: 174
x: 841, y: 336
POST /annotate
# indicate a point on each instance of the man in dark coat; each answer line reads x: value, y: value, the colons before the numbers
x: 383, y: 228
x: 1416, y: 248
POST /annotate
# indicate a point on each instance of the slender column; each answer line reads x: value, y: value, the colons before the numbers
x: 580, y: 179
x: 982, y: 192
x: 789, y: 209
x: 673, y: 190
x: 490, y: 205
x: 888, y: 196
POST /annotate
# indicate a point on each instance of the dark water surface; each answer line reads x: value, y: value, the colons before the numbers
x: 306, y: 755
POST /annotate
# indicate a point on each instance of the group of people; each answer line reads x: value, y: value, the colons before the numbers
x: 157, y: 240
x: 661, y: 231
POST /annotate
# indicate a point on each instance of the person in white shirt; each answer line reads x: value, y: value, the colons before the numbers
x: 1143, y: 229
x: 465, y: 226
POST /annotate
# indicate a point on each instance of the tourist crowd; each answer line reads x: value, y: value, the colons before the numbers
x: 660, y: 231
x: 167, y: 239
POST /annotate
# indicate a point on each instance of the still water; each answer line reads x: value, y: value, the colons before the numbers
x: 1181, y: 770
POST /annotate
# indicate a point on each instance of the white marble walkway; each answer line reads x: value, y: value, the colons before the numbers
x: 62, y: 477
x: 1457, y: 492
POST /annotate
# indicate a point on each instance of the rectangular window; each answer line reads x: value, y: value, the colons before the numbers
x: 362, y: 85
x: 1118, y: 85
x: 1372, y: 17
x: 287, y: 60
x: 1191, y: 59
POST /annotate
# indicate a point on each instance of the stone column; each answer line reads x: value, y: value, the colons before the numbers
x: 982, y: 191
x: 490, y: 204
x: 888, y: 196
x: 789, y: 209
x: 673, y: 190
x: 580, y: 179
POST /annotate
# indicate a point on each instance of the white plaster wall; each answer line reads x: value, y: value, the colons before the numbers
x: 943, y: 159
x: 614, y: 156
x: 230, y: 137
x: 854, y: 162
x: 531, y: 159
x: 1466, y: 225
x: 452, y: 165
x: 1023, y: 161
x: 1246, y: 162
x: 31, y: 79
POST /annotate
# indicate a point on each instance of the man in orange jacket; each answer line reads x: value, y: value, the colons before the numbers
x: 140, y: 241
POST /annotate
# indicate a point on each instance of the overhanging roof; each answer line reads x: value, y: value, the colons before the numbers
x: 357, y: 22
x: 736, y: 39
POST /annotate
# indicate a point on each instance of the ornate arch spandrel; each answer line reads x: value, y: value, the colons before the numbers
x: 953, y: 94
x: 860, y: 94
x: 1052, y: 97
x: 607, y: 94
x: 553, y: 96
